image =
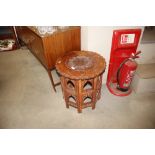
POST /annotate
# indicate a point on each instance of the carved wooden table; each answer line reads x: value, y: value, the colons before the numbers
x: 81, y: 78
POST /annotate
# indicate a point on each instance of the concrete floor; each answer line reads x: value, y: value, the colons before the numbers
x: 28, y: 101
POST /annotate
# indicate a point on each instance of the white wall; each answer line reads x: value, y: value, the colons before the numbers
x: 98, y: 39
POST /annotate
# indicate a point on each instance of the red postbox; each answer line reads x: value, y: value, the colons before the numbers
x: 122, y: 65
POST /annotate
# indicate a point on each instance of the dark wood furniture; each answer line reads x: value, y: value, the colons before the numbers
x: 81, y: 78
x: 50, y: 47
x: 9, y: 32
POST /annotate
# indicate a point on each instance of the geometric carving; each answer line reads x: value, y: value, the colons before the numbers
x: 72, y: 99
x: 87, y: 85
x: 87, y: 99
x: 70, y: 84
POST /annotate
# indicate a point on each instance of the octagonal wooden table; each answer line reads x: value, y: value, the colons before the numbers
x: 81, y: 78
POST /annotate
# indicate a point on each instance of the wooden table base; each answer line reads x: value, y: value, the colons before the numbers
x: 81, y: 93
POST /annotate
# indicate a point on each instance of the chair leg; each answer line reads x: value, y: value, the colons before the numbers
x: 16, y: 37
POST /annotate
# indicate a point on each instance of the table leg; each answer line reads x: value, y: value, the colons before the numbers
x: 67, y: 105
x: 51, y: 78
x: 94, y: 93
x: 79, y: 95
x: 99, y: 87
x: 63, y: 86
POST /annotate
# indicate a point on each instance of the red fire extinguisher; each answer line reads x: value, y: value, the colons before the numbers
x: 126, y: 72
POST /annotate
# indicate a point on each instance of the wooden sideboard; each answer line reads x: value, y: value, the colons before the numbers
x: 49, y: 48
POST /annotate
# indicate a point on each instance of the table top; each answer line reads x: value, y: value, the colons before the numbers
x: 80, y: 65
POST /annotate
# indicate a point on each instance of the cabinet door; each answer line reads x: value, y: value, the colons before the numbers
x: 58, y: 44
x: 72, y: 40
x: 37, y: 47
x: 32, y: 41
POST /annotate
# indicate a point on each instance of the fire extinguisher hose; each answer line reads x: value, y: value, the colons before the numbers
x: 118, y: 72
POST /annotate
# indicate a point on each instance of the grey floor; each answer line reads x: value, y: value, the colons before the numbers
x: 28, y: 101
